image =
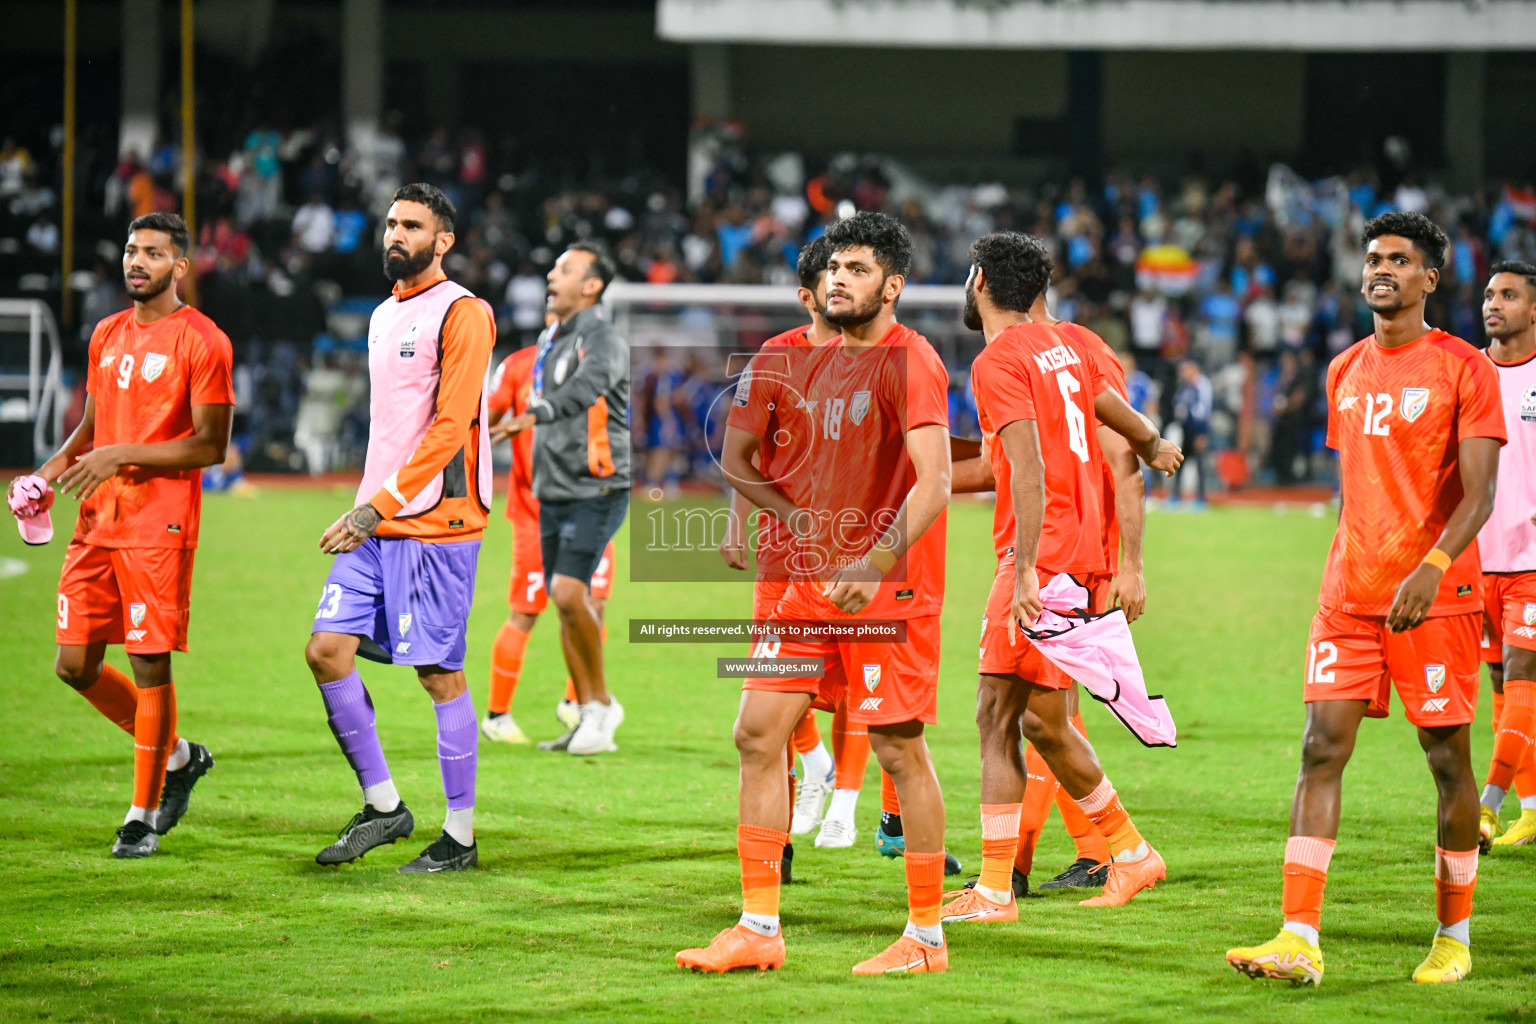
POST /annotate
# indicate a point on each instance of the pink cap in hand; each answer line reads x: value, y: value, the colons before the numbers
x: 30, y: 499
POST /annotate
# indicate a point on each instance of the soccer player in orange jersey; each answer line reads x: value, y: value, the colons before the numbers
x: 1507, y: 547
x: 1037, y: 396
x: 1124, y: 508
x: 158, y: 405
x: 766, y: 406
x: 1414, y: 414
x: 511, y: 386
x: 871, y: 548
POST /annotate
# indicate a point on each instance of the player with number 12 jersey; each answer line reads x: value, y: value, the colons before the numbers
x: 1415, y: 417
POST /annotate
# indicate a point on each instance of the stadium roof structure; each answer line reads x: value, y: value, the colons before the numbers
x: 1339, y: 25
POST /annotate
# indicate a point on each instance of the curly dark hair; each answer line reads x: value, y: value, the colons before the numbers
x: 433, y: 199
x: 1520, y: 267
x: 1018, y: 267
x: 885, y: 235
x: 1424, y: 233
x: 170, y: 223
x: 813, y: 261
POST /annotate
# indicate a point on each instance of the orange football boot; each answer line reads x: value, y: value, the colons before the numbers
x: 1127, y: 878
x: 971, y: 905
x: 736, y: 948
x: 906, y: 956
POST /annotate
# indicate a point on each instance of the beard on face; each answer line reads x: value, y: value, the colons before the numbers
x: 858, y: 316
x: 150, y: 288
x: 972, y: 316
x: 1391, y: 304
x: 399, y: 265
x: 1507, y: 328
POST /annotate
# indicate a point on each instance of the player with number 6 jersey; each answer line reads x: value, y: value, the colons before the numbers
x: 159, y: 399
x: 511, y: 387
x: 1414, y: 414
x: 1039, y: 397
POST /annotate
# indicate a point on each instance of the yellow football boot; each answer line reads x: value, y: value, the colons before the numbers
x: 1286, y: 957
x: 1521, y: 832
x: 1487, y: 827
x: 1448, y: 960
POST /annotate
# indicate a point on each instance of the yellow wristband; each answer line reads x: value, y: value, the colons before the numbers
x: 1437, y: 558
x: 882, y: 559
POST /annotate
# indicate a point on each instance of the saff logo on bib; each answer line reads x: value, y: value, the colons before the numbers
x: 1528, y: 406
x: 1434, y: 677
x: 408, y: 343
x: 1530, y: 613
x: 1415, y: 401
x: 154, y: 365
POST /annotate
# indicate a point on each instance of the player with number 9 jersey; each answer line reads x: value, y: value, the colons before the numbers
x: 143, y: 380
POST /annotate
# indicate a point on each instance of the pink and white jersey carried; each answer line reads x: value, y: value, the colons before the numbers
x: 1507, y: 541
x: 428, y: 469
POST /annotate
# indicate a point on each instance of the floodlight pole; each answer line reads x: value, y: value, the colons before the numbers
x: 188, y: 146
x: 67, y: 229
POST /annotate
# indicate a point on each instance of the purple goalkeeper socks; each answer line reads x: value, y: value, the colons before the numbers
x: 457, y: 734
x: 350, y: 712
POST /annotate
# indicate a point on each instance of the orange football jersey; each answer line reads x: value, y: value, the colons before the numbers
x: 1396, y: 417
x: 861, y: 404
x: 144, y: 380
x: 1032, y: 372
x: 511, y: 385
x: 1114, y: 375
x: 769, y: 405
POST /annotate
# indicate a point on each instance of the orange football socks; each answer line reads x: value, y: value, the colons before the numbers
x: 807, y: 736
x: 1040, y: 787
x: 850, y: 750
x: 1516, y: 733
x: 925, y: 887
x: 1455, y: 878
x: 153, y: 726
x: 999, y: 840
x: 889, y: 802
x: 1306, y: 875
x: 506, y: 667
x: 1088, y: 840
x: 1103, y: 808
x: 115, y: 696
x: 760, y: 850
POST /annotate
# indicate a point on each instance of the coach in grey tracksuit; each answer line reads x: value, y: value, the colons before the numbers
x: 579, y: 410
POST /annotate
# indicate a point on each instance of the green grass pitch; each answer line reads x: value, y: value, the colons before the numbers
x: 594, y: 872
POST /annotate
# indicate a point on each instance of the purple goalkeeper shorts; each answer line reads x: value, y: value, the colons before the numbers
x: 406, y: 600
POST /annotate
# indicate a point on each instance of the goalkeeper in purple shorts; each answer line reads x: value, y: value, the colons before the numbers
x: 403, y: 581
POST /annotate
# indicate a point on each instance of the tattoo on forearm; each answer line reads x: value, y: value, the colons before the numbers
x: 363, y: 520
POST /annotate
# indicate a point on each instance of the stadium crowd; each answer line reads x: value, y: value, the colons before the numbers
x: 1228, y: 293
